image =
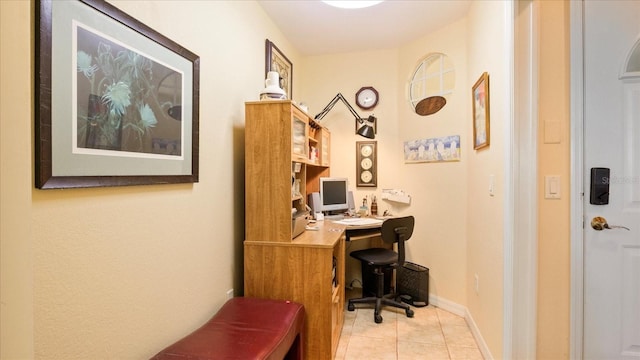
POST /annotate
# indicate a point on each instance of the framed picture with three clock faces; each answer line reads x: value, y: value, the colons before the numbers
x: 366, y: 164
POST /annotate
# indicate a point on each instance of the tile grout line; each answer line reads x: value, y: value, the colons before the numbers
x: 397, y: 339
x: 444, y: 337
x: 440, y: 316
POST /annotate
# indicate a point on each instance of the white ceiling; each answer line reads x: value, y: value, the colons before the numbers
x: 315, y: 28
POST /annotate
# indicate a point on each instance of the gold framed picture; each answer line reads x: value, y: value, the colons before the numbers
x: 480, y: 99
x: 366, y: 164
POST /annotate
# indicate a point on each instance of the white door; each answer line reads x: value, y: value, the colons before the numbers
x: 612, y: 140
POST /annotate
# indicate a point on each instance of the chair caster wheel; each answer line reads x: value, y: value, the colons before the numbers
x: 409, y: 313
x: 351, y: 307
x: 378, y: 319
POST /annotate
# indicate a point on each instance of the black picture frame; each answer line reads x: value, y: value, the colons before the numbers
x: 84, y: 139
x: 276, y: 60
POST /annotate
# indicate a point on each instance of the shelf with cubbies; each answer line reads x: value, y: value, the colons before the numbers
x: 286, y: 154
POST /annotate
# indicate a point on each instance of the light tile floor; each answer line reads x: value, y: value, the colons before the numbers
x: 431, y: 334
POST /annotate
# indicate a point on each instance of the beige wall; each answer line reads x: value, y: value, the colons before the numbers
x: 554, y: 159
x: 325, y: 76
x: 114, y: 273
x: 16, y: 239
x: 488, y: 51
x: 438, y: 190
x: 122, y: 272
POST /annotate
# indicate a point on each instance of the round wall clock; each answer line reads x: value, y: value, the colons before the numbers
x: 366, y: 150
x: 366, y: 176
x: 366, y: 167
x: 367, y: 98
x: 366, y: 163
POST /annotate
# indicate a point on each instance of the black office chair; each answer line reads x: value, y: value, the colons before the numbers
x: 396, y: 230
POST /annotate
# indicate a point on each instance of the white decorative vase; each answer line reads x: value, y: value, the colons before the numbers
x: 272, y: 91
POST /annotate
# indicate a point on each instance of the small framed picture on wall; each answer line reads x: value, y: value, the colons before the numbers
x: 480, y: 99
x: 366, y: 164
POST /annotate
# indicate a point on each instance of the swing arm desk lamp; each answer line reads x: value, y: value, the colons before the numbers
x: 365, y: 130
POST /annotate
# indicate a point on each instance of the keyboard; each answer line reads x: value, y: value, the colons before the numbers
x: 359, y: 221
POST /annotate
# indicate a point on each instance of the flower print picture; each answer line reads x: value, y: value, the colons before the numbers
x: 480, y: 95
x: 125, y: 101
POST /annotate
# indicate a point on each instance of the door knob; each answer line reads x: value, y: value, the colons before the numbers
x: 599, y: 223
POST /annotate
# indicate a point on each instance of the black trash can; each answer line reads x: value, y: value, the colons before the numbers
x: 413, y: 284
x: 370, y: 283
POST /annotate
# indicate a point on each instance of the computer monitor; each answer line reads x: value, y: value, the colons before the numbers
x: 334, y: 194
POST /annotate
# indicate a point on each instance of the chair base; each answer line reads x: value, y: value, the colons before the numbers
x: 387, y: 300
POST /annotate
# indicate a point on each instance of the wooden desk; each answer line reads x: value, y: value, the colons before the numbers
x: 301, y: 270
x: 362, y: 232
x: 360, y: 237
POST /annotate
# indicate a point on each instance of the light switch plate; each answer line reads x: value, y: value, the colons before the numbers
x: 552, y: 187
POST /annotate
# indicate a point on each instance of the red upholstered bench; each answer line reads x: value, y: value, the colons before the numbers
x: 245, y: 328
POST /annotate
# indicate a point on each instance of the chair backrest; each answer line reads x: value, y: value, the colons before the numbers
x: 398, y: 230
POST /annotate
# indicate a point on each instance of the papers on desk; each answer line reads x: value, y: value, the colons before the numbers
x: 359, y: 221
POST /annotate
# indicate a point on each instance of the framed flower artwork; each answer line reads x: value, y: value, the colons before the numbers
x: 116, y: 102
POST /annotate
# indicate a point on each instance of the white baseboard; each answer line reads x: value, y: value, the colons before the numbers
x: 461, y: 310
x: 450, y: 306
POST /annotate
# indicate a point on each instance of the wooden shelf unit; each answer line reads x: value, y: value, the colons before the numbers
x: 279, y: 138
x: 270, y: 159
